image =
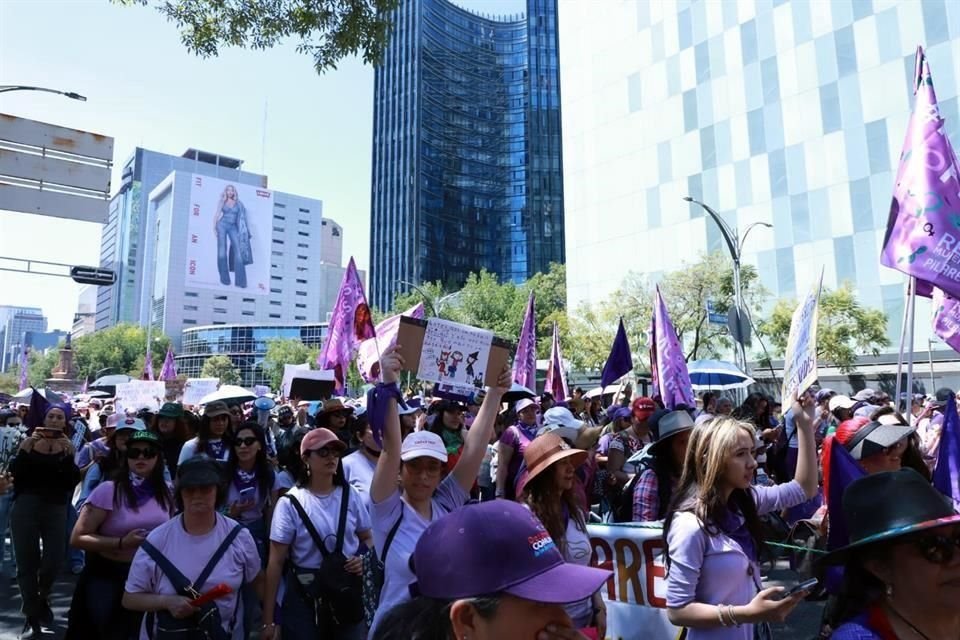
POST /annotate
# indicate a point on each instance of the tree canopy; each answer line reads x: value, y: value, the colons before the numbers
x: 221, y: 367
x: 327, y: 30
x: 286, y: 351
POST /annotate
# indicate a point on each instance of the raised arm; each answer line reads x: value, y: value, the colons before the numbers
x: 478, y: 437
x: 803, y: 418
x: 388, y: 464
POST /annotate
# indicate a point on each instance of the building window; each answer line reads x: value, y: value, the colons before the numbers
x: 299, y: 281
x: 301, y: 221
x: 300, y: 305
x: 277, y: 205
x: 247, y: 313
x: 303, y: 246
x: 189, y: 307
x: 276, y: 290
x: 335, y: 232
x: 278, y: 242
x: 300, y: 317
x: 306, y: 234
x: 274, y: 315
x: 219, y: 322
x: 279, y: 229
x: 299, y: 257
x: 301, y: 293
x: 275, y: 303
x: 219, y: 310
x: 219, y: 297
x: 249, y: 300
x: 276, y: 278
x: 189, y: 321
x: 190, y: 294
x: 302, y: 210
x: 276, y: 253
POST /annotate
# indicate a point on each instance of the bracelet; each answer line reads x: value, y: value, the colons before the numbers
x: 268, y: 625
x: 723, y: 623
x: 733, y: 618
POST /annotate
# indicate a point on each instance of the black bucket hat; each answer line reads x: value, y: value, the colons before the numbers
x: 198, y: 471
x: 888, y: 505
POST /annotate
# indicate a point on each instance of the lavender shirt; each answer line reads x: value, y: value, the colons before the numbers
x: 713, y: 569
x: 121, y: 521
x: 189, y: 554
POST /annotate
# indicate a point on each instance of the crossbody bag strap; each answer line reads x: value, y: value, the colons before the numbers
x: 317, y: 540
x: 393, y: 532
x: 217, y: 555
x: 342, y: 525
x: 177, y: 579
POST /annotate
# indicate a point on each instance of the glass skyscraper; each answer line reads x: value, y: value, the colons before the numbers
x: 467, y: 149
x: 788, y: 112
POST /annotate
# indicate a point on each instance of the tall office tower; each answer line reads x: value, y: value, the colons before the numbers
x: 467, y: 149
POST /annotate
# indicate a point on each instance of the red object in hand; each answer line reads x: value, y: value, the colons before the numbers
x: 217, y: 592
x: 592, y: 633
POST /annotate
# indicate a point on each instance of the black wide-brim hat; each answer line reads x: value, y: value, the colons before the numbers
x: 889, y: 505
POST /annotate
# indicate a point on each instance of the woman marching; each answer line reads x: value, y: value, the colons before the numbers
x: 402, y: 513
x: 549, y: 492
x: 113, y: 522
x: 214, y: 437
x: 170, y: 425
x: 713, y: 532
x: 320, y: 527
x: 654, y: 488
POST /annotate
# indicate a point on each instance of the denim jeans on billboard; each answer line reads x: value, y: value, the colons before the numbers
x: 7, y: 567
x: 230, y: 232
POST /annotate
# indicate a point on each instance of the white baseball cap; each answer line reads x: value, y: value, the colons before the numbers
x: 523, y: 403
x: 561, y: 416
x: 423, y: 444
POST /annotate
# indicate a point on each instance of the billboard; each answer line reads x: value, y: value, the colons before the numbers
x: 228, y: 236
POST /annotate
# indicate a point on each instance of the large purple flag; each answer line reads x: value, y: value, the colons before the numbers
x: 923, y: 288
x: 946, y: 318
x: 620, y: 361
x: 368, y: 355
x: 556, y: 382
x: 169, y: 369
x: 675, y: 388
x: 652, y: 355
x: 24, y: 365
x: 841, y: 470
x: 946, y: 475
x: 525, y: 361
x: 923, y: 228
x: 350, y: 325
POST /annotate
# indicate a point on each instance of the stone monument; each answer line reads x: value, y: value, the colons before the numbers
x: 64, y: 378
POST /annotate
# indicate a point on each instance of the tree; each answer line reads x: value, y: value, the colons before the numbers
x: 281, y: 352
x: 221, y: 367
x: 327, y: 30
x: 845, y: 329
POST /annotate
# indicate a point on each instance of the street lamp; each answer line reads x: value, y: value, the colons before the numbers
x: 4, y: 88
x: 435, y: 310
x: 735, y: 245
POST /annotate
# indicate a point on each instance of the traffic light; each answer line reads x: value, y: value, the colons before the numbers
x: 93, y: 275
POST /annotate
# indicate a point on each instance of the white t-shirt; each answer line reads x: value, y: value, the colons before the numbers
x: 190, y: 449
x: 358, y: 470
x: 578, y: 551
x: 397, y: 575
x: 324, y: 512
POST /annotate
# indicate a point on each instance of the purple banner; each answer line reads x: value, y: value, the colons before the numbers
x: 525, y: 360
x: 556, y: 382
x: 169, y: 370
x: 24, y: 365
x: 946, y: 475
x: 652, y: 355
x: 923, y: 228
x: 620, y: 361
x: 350, y: 325
x: 946, y: 318
x: 675, y: 388
x: 368, y: 354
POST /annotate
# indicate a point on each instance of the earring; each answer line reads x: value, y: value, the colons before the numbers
x: 889, y: 591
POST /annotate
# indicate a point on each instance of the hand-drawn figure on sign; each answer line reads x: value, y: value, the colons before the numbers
x: 442, y: 362
x: 455, y: 358
x: 471, y: 360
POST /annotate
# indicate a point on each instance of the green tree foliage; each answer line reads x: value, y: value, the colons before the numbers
x: 845, y: 329
x: 281, y: 352
x: 119, y: 349
x: 327, y: 30
x: 221, y: 367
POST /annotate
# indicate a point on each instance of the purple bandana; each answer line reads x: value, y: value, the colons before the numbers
x: 215, y: 449
x: 733, y: 524
x: 244, y: 479
x: 377, y: 401
x: 143, y: 491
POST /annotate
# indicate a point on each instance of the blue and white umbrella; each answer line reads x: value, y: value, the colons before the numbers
x: 717, y: 375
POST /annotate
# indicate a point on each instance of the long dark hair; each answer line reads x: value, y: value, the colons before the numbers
x: 552, y: 507
x: 123, y: 488
x: 262, y: 466
x: 436, y: 425
x: 666, y: 469
x: 181, y: 432
x: 699, y: 491
x: 425, y: 618
x: 204, y: 435
x: 748, y: 410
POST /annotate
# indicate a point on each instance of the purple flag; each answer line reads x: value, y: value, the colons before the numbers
x: 923, y: 228
x: 525, y: 360
x: 24, y: 365
x: 350, y: 325
x: 841, y: 470
x: 675, y: 388
x: 620, y: 361
x: 652, y: 355
x: 946, y: 475
x: 169, y: 369
x: 556, y: 382
x: 368, y: 355
x: 924, y: 288
x: 946, y: 318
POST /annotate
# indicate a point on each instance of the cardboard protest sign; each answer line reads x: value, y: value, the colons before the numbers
x: 800, y: 363
x: 477, y: 363
x: 140, y: 394
x: 197, y: 388
x: 289, y: 371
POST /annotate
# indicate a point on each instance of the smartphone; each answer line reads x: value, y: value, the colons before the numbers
x: 806, y: 585
x: 246, y: 493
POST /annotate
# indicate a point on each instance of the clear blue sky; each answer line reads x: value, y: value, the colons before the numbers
x: 145, y: 90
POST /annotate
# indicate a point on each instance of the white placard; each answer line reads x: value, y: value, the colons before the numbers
x: 140, y: 394
x: 454, y: 354
x: 197, y: 388
x: 289, y: 372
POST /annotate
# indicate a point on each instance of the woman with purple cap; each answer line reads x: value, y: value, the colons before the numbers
x: 512, y: 444
x: 46, y: 476
x: 319, y: 529
x: 401, y: 513
x: 460, y: 593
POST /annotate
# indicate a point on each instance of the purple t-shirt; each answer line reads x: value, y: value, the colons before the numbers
x: 259, y: 502
x: 517, y: 438
x: 190, y: 554
x: 121, y: 521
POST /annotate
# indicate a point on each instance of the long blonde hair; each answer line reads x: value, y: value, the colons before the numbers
x: 711, y: 445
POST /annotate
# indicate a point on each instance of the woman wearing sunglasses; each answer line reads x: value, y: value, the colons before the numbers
x: 902, y: 566
x: 322, y: 506
x: 113, y: 522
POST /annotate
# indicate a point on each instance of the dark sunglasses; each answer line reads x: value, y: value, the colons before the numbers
x: 326, y: 452
x: 246, y: 442
x: 137, y: 453
x: 937, y: 549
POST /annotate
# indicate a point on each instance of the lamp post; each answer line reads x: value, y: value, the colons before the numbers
x: 434, y: 309
x: 735, y: 246
x: 5, y: 88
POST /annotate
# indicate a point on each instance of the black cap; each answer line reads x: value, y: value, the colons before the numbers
x: 198, y: 471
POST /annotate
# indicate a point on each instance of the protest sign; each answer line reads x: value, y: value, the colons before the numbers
x: 197, y: 388
x: 140, y: 394
x: 454, y: 354
x: 411, y: 338
x: 261, y: 390
x: 800, y: 362
x: 289, y: 371
x: 636, y: 594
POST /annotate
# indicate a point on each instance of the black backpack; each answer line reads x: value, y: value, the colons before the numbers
x: 622, y: 510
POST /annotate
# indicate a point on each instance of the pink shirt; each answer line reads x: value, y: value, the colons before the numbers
x: 190, y: 554
x: 121, y: 521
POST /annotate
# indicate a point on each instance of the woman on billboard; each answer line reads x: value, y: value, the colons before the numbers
x: 230, y: 224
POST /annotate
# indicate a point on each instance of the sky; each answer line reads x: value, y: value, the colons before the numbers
x: 144, y: 89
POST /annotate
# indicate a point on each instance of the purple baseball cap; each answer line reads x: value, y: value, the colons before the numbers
x: 452, y: 558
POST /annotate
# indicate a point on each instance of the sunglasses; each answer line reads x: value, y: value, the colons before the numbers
x: 937, y: 549
x: 326, y: 452
x: 137, y: 452
x: 245, y: 442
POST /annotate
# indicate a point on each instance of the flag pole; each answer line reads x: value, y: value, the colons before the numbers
x: 903, y: 338
x: 912, y: 301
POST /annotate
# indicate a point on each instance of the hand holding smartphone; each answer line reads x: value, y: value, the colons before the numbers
x: 806, y: 585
